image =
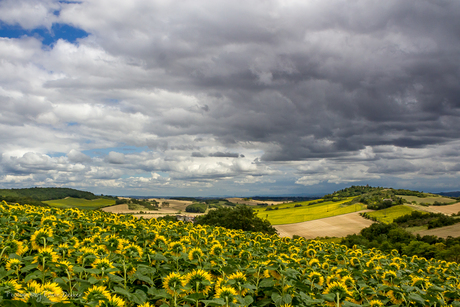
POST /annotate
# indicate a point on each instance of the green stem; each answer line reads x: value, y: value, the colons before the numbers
x: 43, y: 277
x: 124, y: 273
x: 70, y: 282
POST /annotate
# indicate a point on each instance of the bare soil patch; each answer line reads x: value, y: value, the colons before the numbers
x: 336, y: 226
x: 443, y: 232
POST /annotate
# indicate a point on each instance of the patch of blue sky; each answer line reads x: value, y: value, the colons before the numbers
x: 47, y: 37
x: 56, y: 154
x: 70, y: 124
x: 100, y: 152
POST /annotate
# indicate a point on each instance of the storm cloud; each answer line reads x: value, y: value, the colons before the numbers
x: 284, y: 96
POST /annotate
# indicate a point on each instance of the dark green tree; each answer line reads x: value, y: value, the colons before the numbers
x: 240, y: 217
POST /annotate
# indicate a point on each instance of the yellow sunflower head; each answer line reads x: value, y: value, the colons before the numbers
x: 96, y: 293
x: 339, y: 289
x: 375, y: 303
x: 176, y: 248
x: 227, y: 293
x: 195, y: 254
x: 13, y: 264
x: 39, y: 238
x: 45, y: 255
x: 316, y: 278
x: 174, y: 283
x: 53, y: 292
x: 199, y: 280
x: 217, y: 250
x: 13, y: 247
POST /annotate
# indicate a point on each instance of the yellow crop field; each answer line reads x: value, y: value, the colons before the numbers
x: 288, y: 213
x: 74, y: 258
x: 389, y: 214
x: 80, y: 203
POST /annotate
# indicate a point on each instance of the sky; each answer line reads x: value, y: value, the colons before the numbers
x: 229, y: 98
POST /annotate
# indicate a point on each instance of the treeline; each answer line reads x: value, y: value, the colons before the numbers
x: 42, y: 194
x: 196, y: 208
x: 351, y: 191
x: 149, y: 205
x: 387, y: 237
x: 240, y: 217
x: 433, y: 220
x: 36, y: 196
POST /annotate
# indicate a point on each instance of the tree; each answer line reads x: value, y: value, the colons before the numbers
x: 240, y: 217
x: 165, y: 204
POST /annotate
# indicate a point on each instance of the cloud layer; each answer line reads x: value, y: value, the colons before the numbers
x: 222, y: 97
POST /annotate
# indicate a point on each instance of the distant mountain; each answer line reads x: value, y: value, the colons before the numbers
x: 450, y: 194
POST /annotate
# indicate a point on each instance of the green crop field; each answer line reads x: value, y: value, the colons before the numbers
x: 80, y: 203
x: 428, y: 200
x: 389, y: 214
x: 288, y: 213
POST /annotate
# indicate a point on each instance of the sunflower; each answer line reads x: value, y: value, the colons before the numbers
x: 133, y: 251
x: 316, y: 278
x: 40, y: 237
x: 88, y: 256
x: 173, y: 283
x: 245, y: 254
x: 227, y: 293
x: 96, y: 293
x: 177, y: 248
x: 44, y: 256
x: 195, y: 254
x: 31, y: 290
x: 396, y: 297
x: 113, y: 301
x: 147, y: 304
x: 314, y: 263
x: 354, y: 261
x: 199, y: 280
x: 388, y: 277
x: 53, y: 292
x: 13, y: 247
x: 237, y: 280
x: 102, y: 264
x: 13, y: 264
x: 375, y: 303
x: 339, y: 289
x: 11, y: 288
x: 217, y: 250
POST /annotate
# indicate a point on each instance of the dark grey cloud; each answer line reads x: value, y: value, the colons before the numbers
x: 333, y: 91
x: 219, y: 154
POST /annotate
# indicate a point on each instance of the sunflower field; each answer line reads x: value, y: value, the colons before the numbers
x: 68, y: 257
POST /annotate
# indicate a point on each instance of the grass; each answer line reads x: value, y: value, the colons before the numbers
x: 288, y: 214
x: 416, y: 229
x: 428, y: 200
x: 80, y: 203
x: 389, y: 214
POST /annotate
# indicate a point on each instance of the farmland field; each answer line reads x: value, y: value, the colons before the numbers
x: 288, y: 214
x: 74, y: 258
x: 336, y: 226
x: 428, y: 200
x: 443, y: 232
x: 389, y: 214
x: 80, y: 203
x: 252, y: 202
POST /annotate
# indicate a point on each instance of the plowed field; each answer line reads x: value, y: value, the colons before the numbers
x: 336, y: 226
